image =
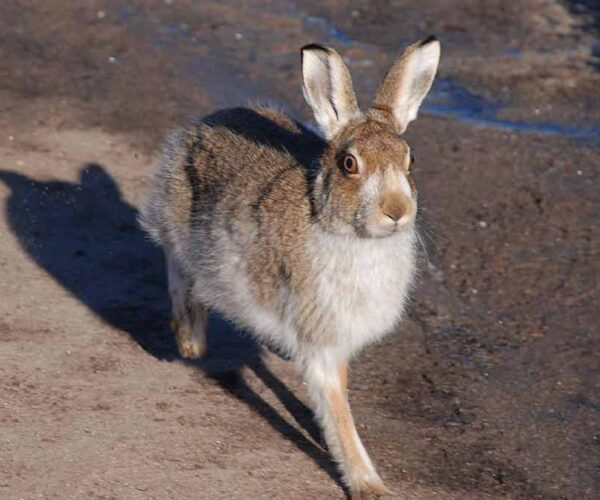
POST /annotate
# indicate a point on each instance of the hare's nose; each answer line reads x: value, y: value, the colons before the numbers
x: 394, y: 207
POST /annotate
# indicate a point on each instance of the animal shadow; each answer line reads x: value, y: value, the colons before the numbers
x: 86, y: 236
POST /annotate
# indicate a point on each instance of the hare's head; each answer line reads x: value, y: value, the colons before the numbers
x: 365, y: 184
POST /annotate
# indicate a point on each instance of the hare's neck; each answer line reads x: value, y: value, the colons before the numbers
x: 351, y: 250
x: 369, y: 262
x: 361, y: 284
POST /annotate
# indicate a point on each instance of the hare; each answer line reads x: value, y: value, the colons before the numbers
x: 306, y: 241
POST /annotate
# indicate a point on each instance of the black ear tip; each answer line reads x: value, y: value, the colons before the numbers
x: 428, y: 40
x: 314, y: 46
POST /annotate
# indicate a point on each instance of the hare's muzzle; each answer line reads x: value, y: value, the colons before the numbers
x: 396, y: 201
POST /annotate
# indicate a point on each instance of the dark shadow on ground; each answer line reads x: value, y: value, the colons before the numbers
x: 86, y: 236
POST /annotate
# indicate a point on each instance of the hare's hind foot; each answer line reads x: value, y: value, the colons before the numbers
x: 190, y: 336
x: 190, y: 319
x: 189, y: 324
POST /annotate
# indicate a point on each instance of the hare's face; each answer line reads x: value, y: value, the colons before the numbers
x: 367, y: 186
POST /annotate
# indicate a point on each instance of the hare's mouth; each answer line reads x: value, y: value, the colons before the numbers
x: 381, y: 225
x: 384, y: 230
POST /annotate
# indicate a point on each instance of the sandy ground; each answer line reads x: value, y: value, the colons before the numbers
x: 490, y: 388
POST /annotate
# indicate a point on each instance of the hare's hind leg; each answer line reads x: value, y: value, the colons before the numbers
x: 189, y: 319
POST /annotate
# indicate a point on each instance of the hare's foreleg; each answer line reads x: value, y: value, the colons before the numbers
x: 189, y: 319
x: 327, y: 384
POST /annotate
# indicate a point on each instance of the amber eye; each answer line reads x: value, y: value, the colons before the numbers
x: 349, y: 165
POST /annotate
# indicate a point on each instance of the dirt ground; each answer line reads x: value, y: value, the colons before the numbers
x: 490, y: 388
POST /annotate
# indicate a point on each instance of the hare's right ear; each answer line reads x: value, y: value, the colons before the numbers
x: 405, y: 86
x: 327, y: 87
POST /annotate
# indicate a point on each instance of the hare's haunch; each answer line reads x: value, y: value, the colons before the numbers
x: 305, y: 241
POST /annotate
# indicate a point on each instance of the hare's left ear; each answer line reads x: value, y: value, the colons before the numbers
x: 407, y: 83
x: 327, y: 88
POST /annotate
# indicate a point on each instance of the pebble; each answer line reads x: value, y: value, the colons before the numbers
x: 483, y: 224
x: 112, y: 60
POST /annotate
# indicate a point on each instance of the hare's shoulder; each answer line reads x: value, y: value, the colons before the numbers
x: 258, y: 156
x: 264, y: 129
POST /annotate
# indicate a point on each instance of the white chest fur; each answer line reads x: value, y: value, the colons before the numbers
x: 361, y: 284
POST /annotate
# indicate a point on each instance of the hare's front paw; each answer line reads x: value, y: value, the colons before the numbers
x: 370, y: 490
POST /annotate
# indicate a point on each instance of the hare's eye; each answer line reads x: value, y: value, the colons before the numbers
x: 349, y: 165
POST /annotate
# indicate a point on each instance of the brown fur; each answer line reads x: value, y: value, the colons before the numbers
x: 379, y: 146
x: 377, y: 142
x: 395, y: 90
x: 343, y: 375
x: 344, y: 425
x: 394, y: 206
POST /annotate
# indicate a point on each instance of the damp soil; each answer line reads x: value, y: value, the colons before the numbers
x: 491, y: 386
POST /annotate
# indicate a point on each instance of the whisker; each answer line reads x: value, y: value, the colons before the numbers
x: 420, y: 239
